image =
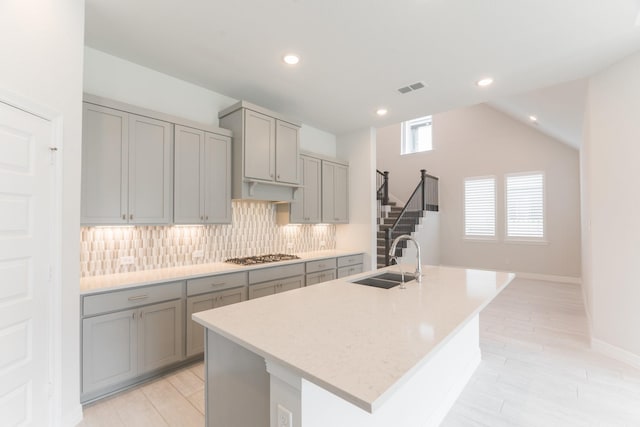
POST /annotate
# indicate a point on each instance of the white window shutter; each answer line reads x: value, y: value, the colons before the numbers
x: 480, y: 207
x: 525, y: 206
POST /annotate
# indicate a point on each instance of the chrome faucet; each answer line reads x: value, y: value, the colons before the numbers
x: 392, y: 253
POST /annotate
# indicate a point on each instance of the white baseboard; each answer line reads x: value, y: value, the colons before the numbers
x: 550, y: 278
x: 615, y: 352
x: 73, y: 418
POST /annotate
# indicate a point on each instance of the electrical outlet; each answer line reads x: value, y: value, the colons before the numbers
x: 285, y: 417
x: 197, y: 254
x: 127, y: 260
x: 323, y: 244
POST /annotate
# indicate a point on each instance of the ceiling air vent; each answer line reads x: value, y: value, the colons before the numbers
x: 411, y: 87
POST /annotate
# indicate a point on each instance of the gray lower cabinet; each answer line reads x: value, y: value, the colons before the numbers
x: 273, y: 280
x: 275, y: 286
x: 195, y: 331
x: 320, y: 271
x: 349, y: 265
x: 109, y: 351
x: 130, y: 334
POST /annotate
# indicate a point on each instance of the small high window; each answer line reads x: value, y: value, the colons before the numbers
x: 416, y: 136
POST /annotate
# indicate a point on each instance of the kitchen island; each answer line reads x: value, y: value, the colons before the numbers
x: 344, y: 354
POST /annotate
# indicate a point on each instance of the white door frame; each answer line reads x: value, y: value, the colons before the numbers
x: 55, y: 294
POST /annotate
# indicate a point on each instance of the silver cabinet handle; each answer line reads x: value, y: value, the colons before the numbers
x: 138, y: 297
x: 218, y: 284
x: 321, y: 266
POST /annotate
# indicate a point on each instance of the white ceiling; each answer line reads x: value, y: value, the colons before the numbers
x: 356, y: 53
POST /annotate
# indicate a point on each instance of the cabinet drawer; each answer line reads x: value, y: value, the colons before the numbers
x: 122, y: 300
x: 343, y: 261
x: 275, y: 286
x: 216, y: 283
x: 320, y: 265
x: 274, y: 273
x: 321, y: 276
x: 349, y: 270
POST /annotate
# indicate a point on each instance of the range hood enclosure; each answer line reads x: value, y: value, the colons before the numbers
x: 266, y: 149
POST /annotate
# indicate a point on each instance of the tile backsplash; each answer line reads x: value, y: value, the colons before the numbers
x: 254, y: 231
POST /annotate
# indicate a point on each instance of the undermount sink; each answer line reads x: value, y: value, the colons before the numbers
x: 385, y: 280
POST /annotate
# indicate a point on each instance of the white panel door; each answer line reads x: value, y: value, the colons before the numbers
x: 26, y: 188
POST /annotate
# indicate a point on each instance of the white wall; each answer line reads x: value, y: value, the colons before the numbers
x: 612, y: 209
x: 116, y: 78
x: 41, y: 42
x: 478, y: 141
x: 359, y: 149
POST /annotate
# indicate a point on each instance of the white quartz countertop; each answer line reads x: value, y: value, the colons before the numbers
x: 94, y: 284
x: 359, y: 342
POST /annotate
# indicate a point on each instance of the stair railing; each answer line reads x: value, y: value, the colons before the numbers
x: 382, y: 184
x: 423, y: 198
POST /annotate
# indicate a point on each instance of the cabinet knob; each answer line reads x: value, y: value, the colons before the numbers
x: 201, y: 217
x: 271, y: 175
x: 278, y: 176
x: 130, y: 216
x: 124, y: 217
x: 206, y: 217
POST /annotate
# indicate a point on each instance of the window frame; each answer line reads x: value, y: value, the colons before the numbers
x: 471, y: 237
x: 525, y: 239
x: 406, y: 126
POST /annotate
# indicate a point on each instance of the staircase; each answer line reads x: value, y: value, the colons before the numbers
x: 407, y: 225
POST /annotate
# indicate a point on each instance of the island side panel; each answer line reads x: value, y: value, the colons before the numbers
x: 237, y: 385
x: 423, y: 400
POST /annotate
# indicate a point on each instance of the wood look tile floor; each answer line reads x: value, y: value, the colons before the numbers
x: 537, y: 370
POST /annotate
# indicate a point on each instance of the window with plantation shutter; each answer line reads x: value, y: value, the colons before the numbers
x: 480, y: 207
x: 525, y: 206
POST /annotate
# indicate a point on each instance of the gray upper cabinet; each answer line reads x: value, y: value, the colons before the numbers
x: 202, y: 191
x: 305, y: 208
x: 105, y: 136
x: 335, y: 192
x: 259, y: 146
x: 265, y: 154
x: 127, y: 168
x: 287, y: 152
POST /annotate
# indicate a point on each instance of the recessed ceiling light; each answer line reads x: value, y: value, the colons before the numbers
x: 381, y: 111
x: 291, y: 59
x: 485, y: 82
x: 534, y: 119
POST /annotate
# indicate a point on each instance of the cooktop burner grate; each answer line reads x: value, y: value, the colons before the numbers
x: 262, y: 259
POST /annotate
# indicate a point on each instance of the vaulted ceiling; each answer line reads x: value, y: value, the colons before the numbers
x: 355, y: 54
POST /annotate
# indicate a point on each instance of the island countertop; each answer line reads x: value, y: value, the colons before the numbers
x: 359, y: 342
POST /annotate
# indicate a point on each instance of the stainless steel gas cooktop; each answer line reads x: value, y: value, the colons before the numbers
x: 262, y: 259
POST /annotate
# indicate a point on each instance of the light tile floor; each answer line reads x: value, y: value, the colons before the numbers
x: 537, y: 370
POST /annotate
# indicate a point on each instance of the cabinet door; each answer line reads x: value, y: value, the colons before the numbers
x: 150, y: 171
x: 290, y: 284
x: 160, y: 337
x: 311, y: 190
x: 217, y: 179
x: 335, y: 193
x: 296, y: 209
x: 287, y: 152
x: 341, y: 193
x: 195, y: 332
x: 259, y: 146
x: 262, y: 289
x: 104, y: 165
x: 188, y: 175
x: 109, y: 350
